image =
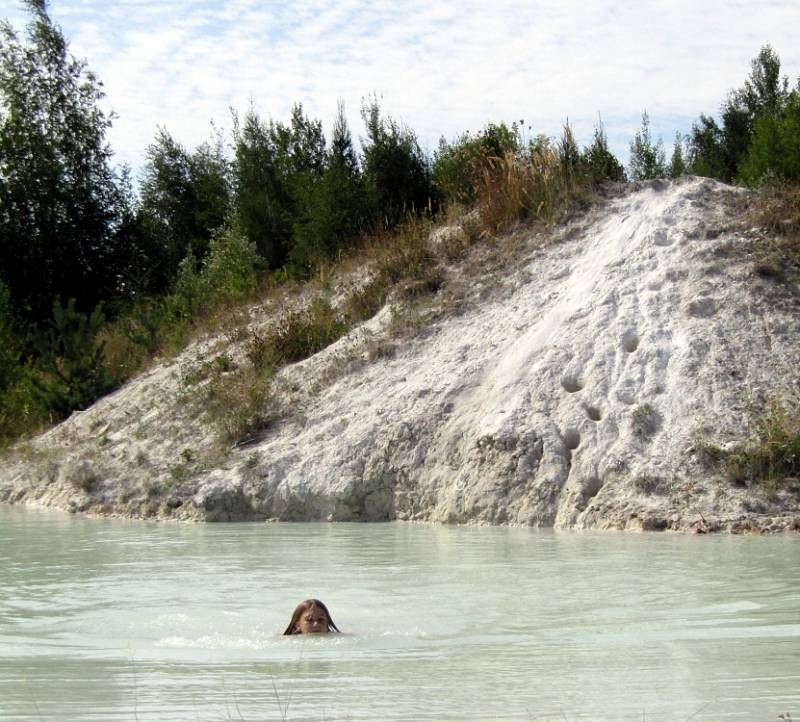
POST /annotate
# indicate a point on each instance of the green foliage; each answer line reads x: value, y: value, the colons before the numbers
x: 229, y: 273
x: 456, y: 165
x: 599, y: 162
x: 677, y: 166
x: 59, y: 197
x: 9, y: 343
x: 71, y: 360
x: 209, y: 175
x: 647, y: 158
x: 721, y: 150
x: 226, y: 274
x: 771, y: 456
x: 189, y: 293
x: 764, y: 90
x: 706, y: 151
x: 278, y: 174
x: 509, y: 180
x: 716, y: 150
x: 185, y: 197
x: 737, y: 132
x: 302, y: 333
x: 775, y: 149
x: 230, y: 268
x: 397, y: 175
x: 142, y: 323
x: 299, y: 149
x: 331, y: 208
x: 644, y: 421
x: 239, y: 405
x: 569, y: 156
x: 263, y: 204
x: 19, y: 411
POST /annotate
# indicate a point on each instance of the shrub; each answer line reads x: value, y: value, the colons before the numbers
x: 644, y: 421
x: 71, y: 361
x: 572, y: 169
x: 509, y: 180
x: 21, y: 412
x: 229, y: 272
x: 777, y: 208
x: 774, y: 453
x: 302, y: 333
x: 143, y: 322
x: 599, y: 162
x: 457, y: 165
x: 648, y: 159
x: 298, y: 335
x: 189, y: 292
x: 503, y: 188
x: 239, y: 405
x: 365, y: 301
x: 405, y: 254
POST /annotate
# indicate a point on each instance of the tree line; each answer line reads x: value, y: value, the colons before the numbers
x: 80, y: 244
x: 755, y: 141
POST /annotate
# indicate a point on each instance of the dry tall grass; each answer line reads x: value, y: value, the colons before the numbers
x: 530, y: 186
x: 776, y: 208
x: 771, y: 456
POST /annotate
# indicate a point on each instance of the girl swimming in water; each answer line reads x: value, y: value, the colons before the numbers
x: 311, y: 617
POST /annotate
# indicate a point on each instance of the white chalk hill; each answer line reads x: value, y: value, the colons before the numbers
x: 577, y: 395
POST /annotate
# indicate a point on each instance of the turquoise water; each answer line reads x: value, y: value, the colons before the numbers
x: 113, y: 620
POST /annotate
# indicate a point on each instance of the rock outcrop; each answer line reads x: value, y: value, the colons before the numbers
x: 576, y: 391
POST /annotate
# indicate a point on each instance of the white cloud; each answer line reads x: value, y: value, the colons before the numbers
x: 440, y: 67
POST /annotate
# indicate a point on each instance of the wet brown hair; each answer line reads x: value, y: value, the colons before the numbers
x: 303, y: 607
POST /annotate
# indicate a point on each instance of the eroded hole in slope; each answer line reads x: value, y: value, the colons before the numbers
x: 630, y: 341
x: 626, y: 395
x: 702, y: 308
x: 572, y: 439
x: 572, y: 384
x: 591, y: 487
x: 662, y: 238
x: 594, y: 413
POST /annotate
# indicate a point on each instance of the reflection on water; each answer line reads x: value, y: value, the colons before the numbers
x: 113, y: 620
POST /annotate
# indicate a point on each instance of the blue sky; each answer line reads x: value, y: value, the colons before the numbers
x: 441, y: 68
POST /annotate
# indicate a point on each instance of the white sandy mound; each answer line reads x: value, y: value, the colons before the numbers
x: 578, y: 396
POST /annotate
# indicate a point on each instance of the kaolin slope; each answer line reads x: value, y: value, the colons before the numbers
x: 577, y: 398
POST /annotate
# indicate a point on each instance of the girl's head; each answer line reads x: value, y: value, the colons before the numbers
x: 311, y: 617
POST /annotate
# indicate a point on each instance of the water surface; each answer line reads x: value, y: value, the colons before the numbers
x: 113, y: 620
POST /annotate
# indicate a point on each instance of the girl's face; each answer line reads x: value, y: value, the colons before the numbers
x: 312, y: 621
